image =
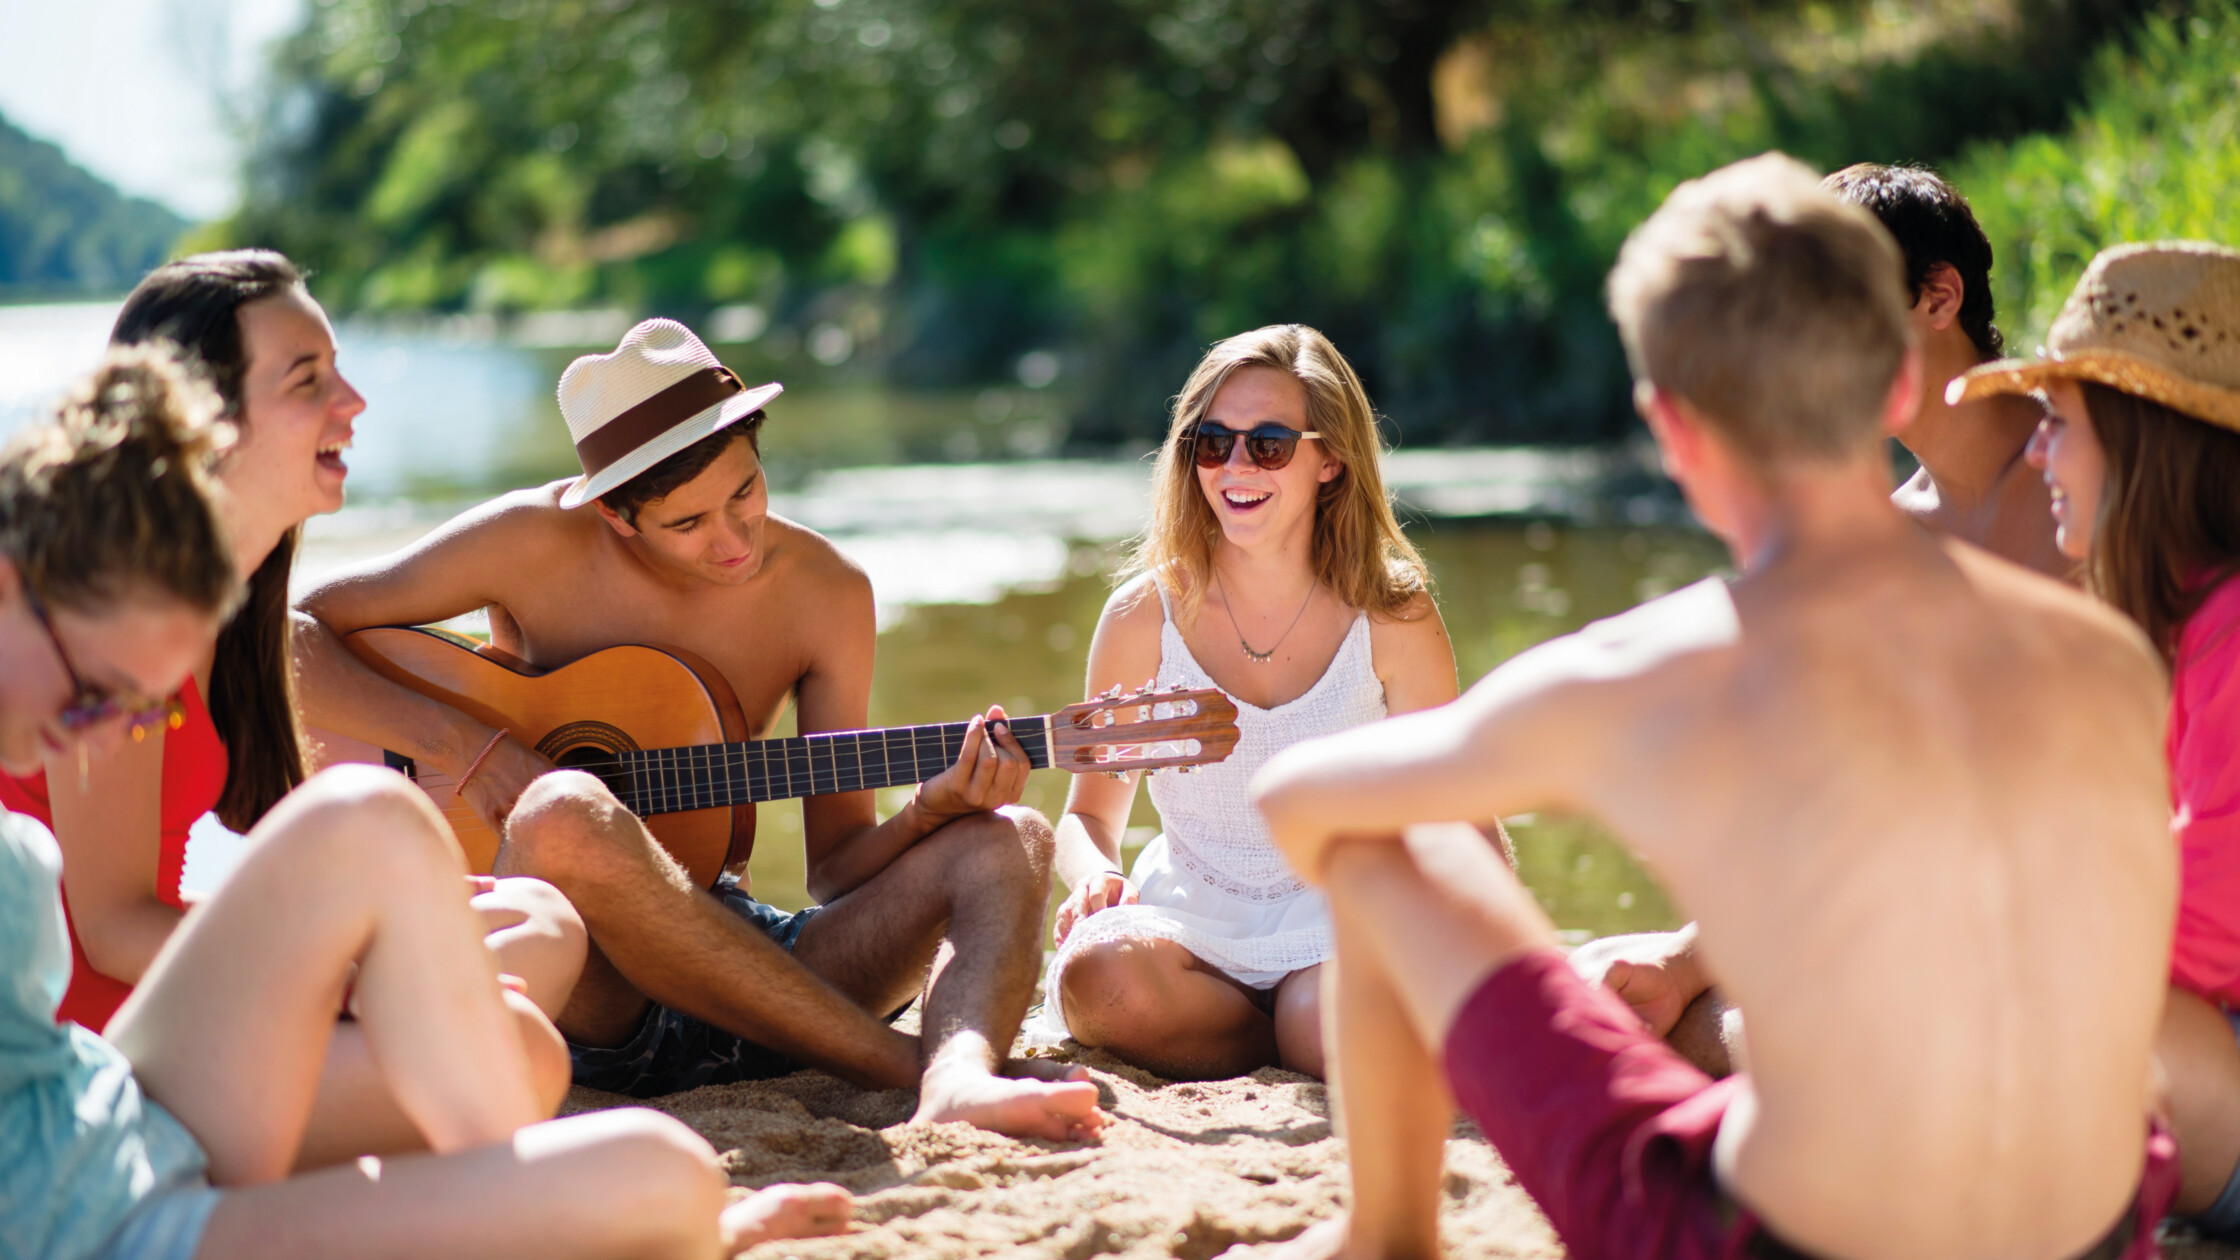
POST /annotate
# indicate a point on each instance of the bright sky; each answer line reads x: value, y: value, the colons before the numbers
x: 137, y: 91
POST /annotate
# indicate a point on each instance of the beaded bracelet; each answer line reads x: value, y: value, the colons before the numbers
x: 476, y: 764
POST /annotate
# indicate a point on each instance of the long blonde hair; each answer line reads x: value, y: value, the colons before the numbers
x: 1358, y: 551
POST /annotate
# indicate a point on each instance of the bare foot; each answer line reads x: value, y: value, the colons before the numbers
x: 1044, y: 1070
x: 1323, y: 1240
x: 1657, y: 973
x: 810, y: 1211
x: 962, y: 1090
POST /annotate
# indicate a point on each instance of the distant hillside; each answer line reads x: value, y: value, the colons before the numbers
x: 63, y: 231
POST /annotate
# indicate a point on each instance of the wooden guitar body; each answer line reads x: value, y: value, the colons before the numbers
x: 618, y: 700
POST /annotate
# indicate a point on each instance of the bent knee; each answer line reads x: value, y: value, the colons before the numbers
x: 1008, y: 847
x: 364, y: 820
x: 1111, y: 991
x: 1037, y: 838
x: 561, y: 820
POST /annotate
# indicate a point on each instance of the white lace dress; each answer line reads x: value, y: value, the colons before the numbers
x: 1213, y: 881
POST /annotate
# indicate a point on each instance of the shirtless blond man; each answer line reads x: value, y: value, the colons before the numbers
x: 1952, y: 1005
x: 668, y: 539
x: 1973, y: 484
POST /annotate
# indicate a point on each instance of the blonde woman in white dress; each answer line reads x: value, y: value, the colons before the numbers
x: 1273, y: 569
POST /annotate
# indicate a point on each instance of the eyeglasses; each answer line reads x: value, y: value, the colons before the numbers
x: 1269, y: 445
x: 93, y: 704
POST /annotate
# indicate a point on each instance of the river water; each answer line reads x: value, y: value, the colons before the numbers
x: 989, y: 555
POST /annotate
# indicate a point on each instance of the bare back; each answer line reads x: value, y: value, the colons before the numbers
x: 1915, y: 797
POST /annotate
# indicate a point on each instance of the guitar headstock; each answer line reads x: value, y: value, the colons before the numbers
x: 1147, y: 729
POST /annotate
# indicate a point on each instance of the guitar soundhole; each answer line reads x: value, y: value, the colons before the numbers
x: 591, y: 747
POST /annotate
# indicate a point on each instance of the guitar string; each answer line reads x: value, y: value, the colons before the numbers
x: 829, y: 761
x: 681, y: 777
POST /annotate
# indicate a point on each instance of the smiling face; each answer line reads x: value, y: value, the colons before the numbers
x: 296, y: 412
x: 711, y: 527
x: 1255, y: 505
x: 138, y: 650
x: 2067, y: 450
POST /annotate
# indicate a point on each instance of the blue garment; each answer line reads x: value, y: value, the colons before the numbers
x: 80, y: 1146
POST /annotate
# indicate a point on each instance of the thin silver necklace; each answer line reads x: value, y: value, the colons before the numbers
x: 1260, y: 658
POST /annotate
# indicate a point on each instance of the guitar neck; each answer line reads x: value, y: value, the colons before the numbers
x: 705, y: 776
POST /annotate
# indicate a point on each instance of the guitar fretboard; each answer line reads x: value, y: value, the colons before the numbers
x: 704, y: 776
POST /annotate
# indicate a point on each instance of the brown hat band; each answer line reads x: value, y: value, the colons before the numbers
x: 654, y: 417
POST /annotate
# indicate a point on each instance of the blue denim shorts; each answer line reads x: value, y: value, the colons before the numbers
x: 672, y: 1052
x: 167, y: 1225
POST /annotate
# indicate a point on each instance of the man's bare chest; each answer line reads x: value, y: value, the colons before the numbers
x: 749, y: 645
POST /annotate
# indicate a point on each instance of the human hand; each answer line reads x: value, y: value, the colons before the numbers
x: 1657, y: 973
x: 991, y: 771
x: 498, y: 782
x: 1100, y: 891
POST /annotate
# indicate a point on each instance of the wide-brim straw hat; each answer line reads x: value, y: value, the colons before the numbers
x: 2161, y: 321
x: 657, y: 393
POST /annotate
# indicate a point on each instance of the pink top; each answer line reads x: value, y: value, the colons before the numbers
x: 2204, y: 752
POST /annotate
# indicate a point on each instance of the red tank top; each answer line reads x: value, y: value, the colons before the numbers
x: 194, y: 774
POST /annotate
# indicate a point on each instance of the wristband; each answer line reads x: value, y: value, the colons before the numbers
x: 476, y: 764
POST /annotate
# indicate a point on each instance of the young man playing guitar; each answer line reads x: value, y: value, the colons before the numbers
x: 668, y: 539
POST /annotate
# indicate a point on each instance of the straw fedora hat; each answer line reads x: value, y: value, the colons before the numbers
x: 660, y: 391
x: 2161, y: 321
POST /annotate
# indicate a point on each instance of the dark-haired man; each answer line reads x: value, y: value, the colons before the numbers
x: 667, y: 538
x: 1972, y: 483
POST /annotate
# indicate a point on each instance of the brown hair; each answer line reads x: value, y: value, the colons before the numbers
x: 110, y: 499
x: 1932, y: 224
x: 2169, y: 524
x: 1358, y: 551
x: 1773, y: 308
x: 194, y: 304
x: 662, y: 480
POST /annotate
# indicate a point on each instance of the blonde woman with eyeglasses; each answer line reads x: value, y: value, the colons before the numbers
x: 1273, y: 568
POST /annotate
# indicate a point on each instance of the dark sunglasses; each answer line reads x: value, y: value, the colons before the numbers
x: 1270, y: 445
x: 94, y: 704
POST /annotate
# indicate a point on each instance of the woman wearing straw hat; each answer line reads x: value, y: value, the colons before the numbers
x: 2141, y: 446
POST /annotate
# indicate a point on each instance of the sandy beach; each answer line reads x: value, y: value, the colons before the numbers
x: 1187, y: 1169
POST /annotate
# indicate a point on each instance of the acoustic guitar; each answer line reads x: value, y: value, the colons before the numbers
x: 662, y: 729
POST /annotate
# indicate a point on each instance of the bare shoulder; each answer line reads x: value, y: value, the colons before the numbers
x: 1681, y: 642
x: 1133, y: 610
x: 1415, y: 624
x: 2075, y: 627
x: 811, y: 559
x: 1413, y: 655
x: 1126, y: 643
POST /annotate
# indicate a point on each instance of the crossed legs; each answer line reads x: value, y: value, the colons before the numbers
x: 230, y: 1028
x: 963, y: 905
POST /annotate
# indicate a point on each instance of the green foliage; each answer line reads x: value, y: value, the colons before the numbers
x: 1439, y: 186
x: 65, y: 231
x: 2153, y: 154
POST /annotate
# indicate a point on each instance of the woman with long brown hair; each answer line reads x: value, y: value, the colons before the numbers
x: 2141, y: 446
x: 1272, y: 568
x: 245, y: 321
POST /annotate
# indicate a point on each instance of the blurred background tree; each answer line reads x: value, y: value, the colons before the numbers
x: 952, y: 192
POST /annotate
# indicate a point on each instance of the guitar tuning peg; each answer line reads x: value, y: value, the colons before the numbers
x: 1149, y: 685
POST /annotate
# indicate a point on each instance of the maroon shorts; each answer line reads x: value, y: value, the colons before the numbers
x: 1610, y: 1130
